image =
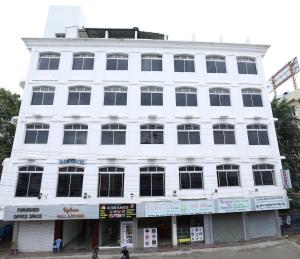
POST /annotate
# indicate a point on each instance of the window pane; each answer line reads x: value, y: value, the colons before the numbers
x: 35, y: 185
x: 257, y: 101
x: 77, y: 63
x: 180, y: 99
x: 194, y: 137
x: 247, y: 100
x: 104, y: 185
x: 42, y: 137
x: 85, y: 98
x: 145, y: 137
x: 111, y: 64
x: 81, y: 137
x: 22, y: 184
x: 145, y: 99
x: 156, y: 65
x: 221, y: 67
x: 121, y: 98
x: 122, y: 64
x: 107, y: 138
x: 109, y: 98
x: 183, y: 137
x: 73, y: 98
x: 88, y: 64
x: 218, y: 137
x: 242, y: 68
x: 69, y: 137
x: 158, y: 137
x: 76, y: 185
x: 54, y: 64
x: 233, y: 179
x: 37, y: 99
x: 196, y: 181
x: 157, y: 99
x: 263, y: 137
x: 120, y: 137
x: 185, y: 181
x: 267, y: 178
x: 214, y: 100
x: 43, y: 63
x: 146, y: 64
x: 222, y: 179
x: 189, y: 66
x: 63, y: 185
x: 158, y: 185
x: 116, y: 185
x: 225, y: 100
x: 30, y: 137
x: 145, y: 185
x: 191, y: 100
x: 178, y: 65
x: 229, y: 137
x: 48, y: 98
x: 257, y: 178
x: 251, y: 67
x: 210, y: 67
x: 252, y: 138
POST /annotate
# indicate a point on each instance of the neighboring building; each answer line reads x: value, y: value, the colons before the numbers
x: 293, y: 99
x: 124, y: 137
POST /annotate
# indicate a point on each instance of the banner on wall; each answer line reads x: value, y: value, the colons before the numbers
x: 286, y: 178
x: 150, y: 237
x: 271, y: 203
x: 126, y: 234
x: 197, y: 234
x: 234, y: 205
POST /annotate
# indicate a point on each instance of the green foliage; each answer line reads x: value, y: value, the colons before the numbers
x: 9, y: 107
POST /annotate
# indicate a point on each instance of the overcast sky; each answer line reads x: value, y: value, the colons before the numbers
x: 274, y: 22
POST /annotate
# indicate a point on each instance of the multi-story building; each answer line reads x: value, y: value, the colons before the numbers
x: 127, y: 138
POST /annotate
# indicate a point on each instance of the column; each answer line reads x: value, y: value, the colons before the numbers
x: 174, y: 231
x: 208, y: 230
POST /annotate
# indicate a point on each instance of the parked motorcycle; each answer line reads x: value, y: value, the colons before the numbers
x: 95, y: 253
x: 124, y: 253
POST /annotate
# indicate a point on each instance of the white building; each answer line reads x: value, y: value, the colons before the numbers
x: 178, y: 136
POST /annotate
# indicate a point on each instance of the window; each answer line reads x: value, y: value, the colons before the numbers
x: 117, y: 62
x: 219, y: 97
x: 215, y: 64
x: 152, y: 181
x: 29, y: 181
x: 75, y: 134
x: 184, y: 63
x: 79, y: 95
x: 113, y: 134
x: 263, y: 174
x: 60, y: 35
x: 115, y: 95
x: 37, y: 133
x: 223, y: 134
x: 42, y: 95
x: 252, y: 98
x: 111, y: 182
x: 228, y: 175
x: 190, y: 177
x: 83, y: 61
x: 246, y: 65
x: 186, y: 96
x: 257, y: 134
x: 188, y: 134
x: 152, y: 134
x: 49, y: 61
x: 70, y: 182
x: 151, y: 62
x: 151, y: 96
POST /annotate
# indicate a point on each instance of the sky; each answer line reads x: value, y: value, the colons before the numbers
x: 272, y: 22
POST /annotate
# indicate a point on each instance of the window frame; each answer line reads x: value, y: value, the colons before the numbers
x: 219, y: 91
x: 247, y: 61
x: 187, y: 91
x: 44, y: 90
x: 149, y: 170
x: 152, y: 90
x: 194, y: 128
x: 188, y: 170
x: 216, y: 59
x: 117, y: 57
x: 84, y: 56
x: 224, y: 127
x: 226, y: 171
x: 38, y: 128
x: 151, y: 57
x: 252, y: 92
x: 50, y: 56
x: 261, y: 171
x: 120, y: 128
x: 81, y: 129
x: 81, y: 90
x: 185, y: 58
x: 115, y: 89
x: 258, y: 127
x: 151, y: 127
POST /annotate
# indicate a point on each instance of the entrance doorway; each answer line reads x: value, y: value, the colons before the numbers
x: 110, y: 233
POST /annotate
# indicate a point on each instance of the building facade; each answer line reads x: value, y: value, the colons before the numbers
x: 127, y: 138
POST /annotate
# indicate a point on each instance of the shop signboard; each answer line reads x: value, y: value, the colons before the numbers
x: 50, y: 212
x: 286, y: 178
x: 197, y: 234
x: 271, y: 203
x: 158, y: 209
x: 117, y: 211
x: 197, y: 207
x: 234, y: 205
x: 71, y: 161
x: 150, y: 237
x: 126, y: 234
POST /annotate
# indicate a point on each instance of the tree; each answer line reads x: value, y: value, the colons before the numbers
x: 9, y: 107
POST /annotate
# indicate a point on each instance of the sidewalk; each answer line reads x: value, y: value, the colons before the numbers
x: 268, y: 249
